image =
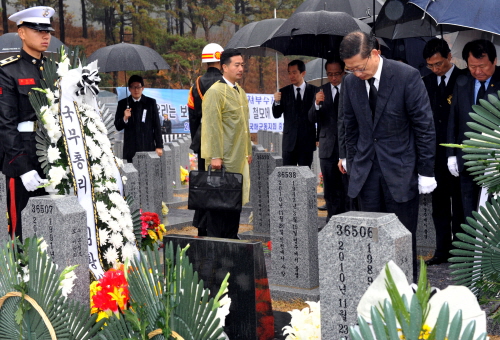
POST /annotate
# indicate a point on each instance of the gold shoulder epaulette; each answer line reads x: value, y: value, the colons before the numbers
x: 9, y: 60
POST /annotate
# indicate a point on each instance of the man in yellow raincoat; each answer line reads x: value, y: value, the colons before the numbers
x: 225, y: 138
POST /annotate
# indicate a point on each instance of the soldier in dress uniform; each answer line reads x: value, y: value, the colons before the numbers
x: 18, y: 121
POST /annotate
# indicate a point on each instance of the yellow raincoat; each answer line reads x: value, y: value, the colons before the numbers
x: 225, y: 132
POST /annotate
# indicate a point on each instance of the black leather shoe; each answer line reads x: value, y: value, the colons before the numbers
x: 322, y: 207
x: 436, y: 260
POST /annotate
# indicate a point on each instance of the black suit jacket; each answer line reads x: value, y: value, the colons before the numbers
x: 401, y: 136
x: 139, y: 136
x: 441, y: 105
x: 326, y: 118
x: 298, y: 128
x: 461, y: 105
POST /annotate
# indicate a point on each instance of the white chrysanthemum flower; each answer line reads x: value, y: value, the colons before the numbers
x: 223, y: 310
x: 105, y: 216
x: 116, y: 240
x: 95, y: 151
x: 43, y: 245
x: 63, y: 67
x: 114, y: 226
x: 111, y: 255
x: 124, y: 179
x: 129, y: 235
x: 100, y: 206
x: 108, y: 170
x: 96, y: 171
x: 103, y: 236
x: 50, y: 96
x: 53, y: 154
x: 100, y: 125
x: 111, y: 186
x: 115, y: 213
x: 92, y: 128
x: 115, y: 198
x: 119, y: 162
x: 129, y: 251
x: 56, y: 174
x: 67, y: 283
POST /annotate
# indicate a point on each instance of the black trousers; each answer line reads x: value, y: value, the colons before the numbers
x: 223, y: 224
x: 199, y: 215
x: 470, y: 193
x: 376, y: 197
x: 297, y: 157
x: 351, y: 204
x: 447, y: 211
x: 17, y: 199
x: 333, y: 187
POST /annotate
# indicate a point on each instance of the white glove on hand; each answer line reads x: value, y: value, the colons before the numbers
x: 344, y: 164
x: 426, y: 184
x: 31, y: 180
x: 453, y: 166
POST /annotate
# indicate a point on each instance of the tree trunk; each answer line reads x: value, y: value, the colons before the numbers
x: 236, y: 11
x: 180, y: 28
x: 61, y: 22
x: 85, y: 33
x: 4, y: 17
x: 122, y: 23
x: 261, y: 75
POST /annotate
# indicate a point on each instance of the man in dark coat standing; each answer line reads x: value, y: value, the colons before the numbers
x: 484, y: 79
x: 293, y: 102
x: 18, y: 120
x: 389, y: 129
x: 138, y: 115
x: 211, y: 56
x: 324, y: 112
x: 447, y: 211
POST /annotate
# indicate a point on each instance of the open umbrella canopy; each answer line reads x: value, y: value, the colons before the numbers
x: 128, y: 57
x: 356, y: 8
x: 458, y: 40
x: 315, y: 34
x: 249, y: 38
x: 315, y: 72
x: 478, y: 14
x: 400, y: 19
x: 11, y: 43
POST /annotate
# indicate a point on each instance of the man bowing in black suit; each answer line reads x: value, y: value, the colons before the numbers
x: 484, y: 79
x: 390, y: 137
x: 293, y: 102
x: 447, y: 211
x: 324, y: 112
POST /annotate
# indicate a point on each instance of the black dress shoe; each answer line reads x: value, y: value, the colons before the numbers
x: 322, y: 207
x: 436, y: 260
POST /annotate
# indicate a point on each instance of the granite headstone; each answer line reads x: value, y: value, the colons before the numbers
x: 118, y: 148
x: 315, y: 167
x: 292, y: 196
x: 167, y: 174
x: 184, y: 153
x: 426, y: 234
x: 276, y: 143
x: 353, y: 249
x: 250, y: 314
x: 148, y: 165
x: 62, y: 222
x: 260, y: 138
x: 131, y: 185
x: 176, y: 163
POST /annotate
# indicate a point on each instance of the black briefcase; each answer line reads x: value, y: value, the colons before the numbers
x: 215, y: 190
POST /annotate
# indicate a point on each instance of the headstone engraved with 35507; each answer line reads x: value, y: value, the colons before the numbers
x: 353, y: 249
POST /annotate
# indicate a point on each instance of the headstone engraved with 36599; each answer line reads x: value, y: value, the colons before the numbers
x: 176, y: 152
x: 294, y: 233
x: 277, y: 137
x: 62, y: 222
x: 426, y: 234
x: 353, y: 249
x: 4, y: 233
x: 131, y: 185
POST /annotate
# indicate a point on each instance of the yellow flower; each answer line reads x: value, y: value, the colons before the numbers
x: 161, y: 231
x: 152, y: 234
x: 425, y: 332
x: 118, y: 296
x: 102, y: 315
x: 184, y: 174
x: 93, y: 291
x: 164, y: 209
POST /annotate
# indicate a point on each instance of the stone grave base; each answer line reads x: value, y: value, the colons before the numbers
x: 176, y: 202
x: 252, y: 235
x: 182, y: 190
x: 290, y: 293
x: 179, y: 218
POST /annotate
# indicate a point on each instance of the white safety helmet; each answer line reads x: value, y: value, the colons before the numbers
x: 211, y: 53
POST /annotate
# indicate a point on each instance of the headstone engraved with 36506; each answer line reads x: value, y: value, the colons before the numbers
x: 353, y: 249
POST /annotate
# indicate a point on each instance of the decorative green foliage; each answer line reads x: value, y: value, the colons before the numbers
x: 166, y: 295
x: 26, y: 269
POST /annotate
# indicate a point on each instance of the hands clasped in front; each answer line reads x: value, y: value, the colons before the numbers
x: 32, y: 181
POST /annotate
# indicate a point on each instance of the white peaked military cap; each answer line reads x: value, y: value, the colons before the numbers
x: 37, y: 18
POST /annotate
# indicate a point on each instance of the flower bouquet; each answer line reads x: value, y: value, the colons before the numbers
x: 110, y: 295
x: 184, y: 176
x: 152, y: 230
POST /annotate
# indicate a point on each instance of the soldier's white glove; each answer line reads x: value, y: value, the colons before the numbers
x: 453, y: 166
x: 31, y: 180
x: 426, y: 184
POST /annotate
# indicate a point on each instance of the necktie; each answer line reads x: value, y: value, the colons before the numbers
x: 442, y: 86
x: 298, y: 99
x: 372, y: 99
x: 336, y: 98
x: 481, y: 92
x: 236, y: 88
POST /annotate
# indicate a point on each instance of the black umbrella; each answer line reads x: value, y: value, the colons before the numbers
x: 315, y: 74
x: 249, y: 38
x: 400, y: 19
x: 128, y: 57
x: 315, y: 34
x: 10, y: 43
x: 356, y: 8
